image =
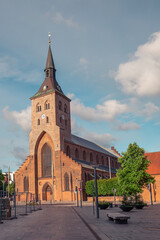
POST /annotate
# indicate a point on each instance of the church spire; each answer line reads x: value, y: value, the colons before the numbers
x: 50, y: 82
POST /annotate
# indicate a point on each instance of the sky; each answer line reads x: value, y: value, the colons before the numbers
x: 107, y: 57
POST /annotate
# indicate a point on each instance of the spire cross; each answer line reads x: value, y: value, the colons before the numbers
x: 49, y: 35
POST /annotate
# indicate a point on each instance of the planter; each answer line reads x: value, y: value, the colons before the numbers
x: 126, y: 208
x: 139, y: 206
x: 105, y: 206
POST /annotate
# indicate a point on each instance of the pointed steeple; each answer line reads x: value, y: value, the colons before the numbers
x: 50, y: 62
x: 50, y: 82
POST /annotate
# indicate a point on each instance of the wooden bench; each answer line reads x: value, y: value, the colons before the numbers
x: 118, y: 217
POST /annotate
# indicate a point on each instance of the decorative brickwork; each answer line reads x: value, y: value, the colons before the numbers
x: 58, y: 161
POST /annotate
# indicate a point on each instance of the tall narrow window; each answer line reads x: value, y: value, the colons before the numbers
x: 38, y: 121
x: 47, y: 119
x: 60, y: 105
x: 66, y: 182
x: 76, y: 154
x: 84, y: 155
x: 26, y: 184
x: 68, y: 151
x: 102, y: 160
x: 46, y: 156
x: 47, y: 73
x: 107, y: 163
x: 97, y: 159
x: 65, y: 108
x: 47, y: 105
x: 91, y: 157
x: 38, y: 108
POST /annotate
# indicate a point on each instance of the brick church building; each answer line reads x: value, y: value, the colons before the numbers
x: 59, y: 161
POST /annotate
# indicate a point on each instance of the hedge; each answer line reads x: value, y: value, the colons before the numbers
x: 104, y: 187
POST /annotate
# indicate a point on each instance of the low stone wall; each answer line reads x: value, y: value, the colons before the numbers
x: 107, y: 199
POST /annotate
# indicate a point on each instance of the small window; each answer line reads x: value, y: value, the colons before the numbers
x: 76, y: 154
x: 38, y: 121
x: 107, y: 161
x: 66, y: 182
x: 97, y: 159
x: 60, y: 119
x: 60, y: 105
x: 47, y: 119
x: 47, y: 105
x: 102, y: 160
x: 68, y: 151
x: 84, y: 155
x: 38, y: 108
x: 47, y: 73
x: 91, y: 157
x: 65, y: 108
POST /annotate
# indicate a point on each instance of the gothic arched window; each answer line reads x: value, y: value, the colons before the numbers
x: 60, y: 105
x: 97, y: 159
x: 47, y: 73
x: 65, y: 108
x: 66, y: 182
x: 26, y: 184
x: 102, y: 160
x: 107, y: 163
x: 91, y: 157
x: 68, y: 151
x: 46, y: 156
x: 47, y: 105
x: 38, y: 108
x: 84, y: 155
x: 76, y: 154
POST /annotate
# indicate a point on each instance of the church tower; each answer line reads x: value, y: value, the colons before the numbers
x: 50, y: 127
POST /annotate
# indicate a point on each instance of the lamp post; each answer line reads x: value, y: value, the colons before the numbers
x: 3, y: 181
x: 96, y: 192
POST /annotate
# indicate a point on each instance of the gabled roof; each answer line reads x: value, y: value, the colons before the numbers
x: 154, y: 167
x: 90, y: 145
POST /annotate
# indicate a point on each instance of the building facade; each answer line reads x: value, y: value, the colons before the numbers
x: 59, y: 162
x: 154, y: 170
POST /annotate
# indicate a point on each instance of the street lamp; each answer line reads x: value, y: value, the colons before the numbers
x: 96, y: 192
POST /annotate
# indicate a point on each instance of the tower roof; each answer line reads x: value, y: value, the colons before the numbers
x: 50, y: 84
x: 50, y: 62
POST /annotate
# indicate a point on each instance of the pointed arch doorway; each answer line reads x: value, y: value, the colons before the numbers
x: 47, y: 193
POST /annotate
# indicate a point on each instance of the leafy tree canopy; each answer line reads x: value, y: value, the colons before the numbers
x: 11, y: 188
x: 1, y: 178
x: 132, y: 175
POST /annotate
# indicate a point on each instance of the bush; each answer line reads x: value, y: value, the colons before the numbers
x: 104, y: 187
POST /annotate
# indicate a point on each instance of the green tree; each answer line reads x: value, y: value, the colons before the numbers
x: 132, y: 175
x: 1, y: 178
x: 11, y: 188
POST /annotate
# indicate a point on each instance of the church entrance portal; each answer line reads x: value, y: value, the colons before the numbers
x: 47, y: 194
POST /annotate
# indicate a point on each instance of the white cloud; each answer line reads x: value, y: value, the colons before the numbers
x: 141, y: 75
x: 105, y: 112
x: 22, y: 118
x: 150, y: 109
x: 105, y: 139
x: 128, y: 126
x: 69, y: 22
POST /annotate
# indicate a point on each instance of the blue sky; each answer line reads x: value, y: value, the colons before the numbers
x: 107, y: 56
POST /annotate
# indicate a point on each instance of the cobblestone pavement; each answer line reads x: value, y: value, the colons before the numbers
x: 143, y: 224
x: 53, y: 222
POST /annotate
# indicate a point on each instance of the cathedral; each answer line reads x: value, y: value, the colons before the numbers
x: 59, y: 163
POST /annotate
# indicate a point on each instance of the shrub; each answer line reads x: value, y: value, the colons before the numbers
x: 104, y: 186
